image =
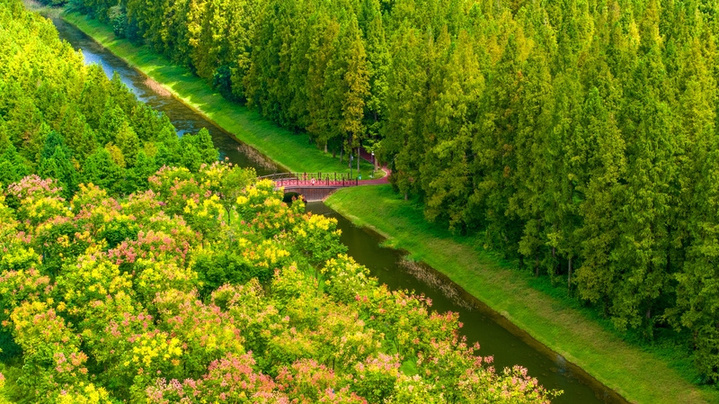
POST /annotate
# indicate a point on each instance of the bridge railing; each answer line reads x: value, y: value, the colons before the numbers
x: 313, y: 179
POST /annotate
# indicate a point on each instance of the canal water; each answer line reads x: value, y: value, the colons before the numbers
x: 496, y: 335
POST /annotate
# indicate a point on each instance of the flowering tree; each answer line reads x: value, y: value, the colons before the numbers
x: 199, y: 290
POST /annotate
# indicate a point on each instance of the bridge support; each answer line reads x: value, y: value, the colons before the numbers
x: 312, y: 194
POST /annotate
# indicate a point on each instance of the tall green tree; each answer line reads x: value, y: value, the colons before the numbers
x: 354, y: 86
x: 402, y: 146
x: 100, y: 169
x: 128, y: 142
x: 379, y: 62
x: 55, y: 162
x: 13, y: 167
x: 445, y: 171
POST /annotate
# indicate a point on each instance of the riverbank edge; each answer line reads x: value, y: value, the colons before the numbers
x: 102, y: 35
x: 640, y: 377
x: 290, y: 151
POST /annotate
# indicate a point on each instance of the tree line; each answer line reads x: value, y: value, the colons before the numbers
x: 579, y: 136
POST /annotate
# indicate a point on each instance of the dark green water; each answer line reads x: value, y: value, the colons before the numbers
x: 496, y: 335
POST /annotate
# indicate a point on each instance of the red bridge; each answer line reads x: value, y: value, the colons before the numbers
x: 318, y: 186
x: 312, y: 186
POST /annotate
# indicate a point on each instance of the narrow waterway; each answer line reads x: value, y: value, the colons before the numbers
x: 185, y: 119
x: 496, y: 335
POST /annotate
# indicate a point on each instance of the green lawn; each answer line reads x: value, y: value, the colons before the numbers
x: 290, y: 150
x: 575, y: 333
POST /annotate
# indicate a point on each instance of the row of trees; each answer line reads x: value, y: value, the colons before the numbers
x: 67, y: 121
x: 315, y: 66
x: 579, y: 135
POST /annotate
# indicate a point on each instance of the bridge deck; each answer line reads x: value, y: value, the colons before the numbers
x: 323, y: 183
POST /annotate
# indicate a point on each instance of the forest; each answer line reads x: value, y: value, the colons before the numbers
x: 579, y: 136
x: 135, y: 267
x: 62, y: 120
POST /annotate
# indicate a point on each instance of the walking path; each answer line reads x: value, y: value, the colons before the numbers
x: 375, y: 181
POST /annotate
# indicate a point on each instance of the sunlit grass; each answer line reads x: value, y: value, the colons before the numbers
x: 290, y: 150
x: 638, y: 372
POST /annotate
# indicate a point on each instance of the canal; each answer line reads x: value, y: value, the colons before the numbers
x: 497, y: 337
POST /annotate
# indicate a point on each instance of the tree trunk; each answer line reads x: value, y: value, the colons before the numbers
x: 358, y: 160
x: 536, y: 266
x: 569, y: 275
x: 341, y: 154
x: 325, y: 147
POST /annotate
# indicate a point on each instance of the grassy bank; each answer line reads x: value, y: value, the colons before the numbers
x: 290, y: 150
x: 630, y: 370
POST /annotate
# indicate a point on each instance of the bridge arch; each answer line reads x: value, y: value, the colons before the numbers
x: 312, y: 186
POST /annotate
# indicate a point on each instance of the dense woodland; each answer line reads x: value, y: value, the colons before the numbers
x: 579, y: 135
x: 192, y: 283
x: 63, y: 120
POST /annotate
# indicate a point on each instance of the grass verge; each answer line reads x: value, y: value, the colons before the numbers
x: 290, y: 150
x: 629, y: 369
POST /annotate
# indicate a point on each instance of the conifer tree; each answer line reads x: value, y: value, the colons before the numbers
x: 100, y: 169
x: 128, y: 142
x: 446, y: 167
x: 379, y: 61
x: 55, y: 162
x: 402, y: 145
x: 355, y: 86
x: 13, y: 166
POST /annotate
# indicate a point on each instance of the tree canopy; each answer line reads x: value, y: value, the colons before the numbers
x: 64, y: 120
x: 202, y: 289
x: 194, y: 282
x: 578, y: 135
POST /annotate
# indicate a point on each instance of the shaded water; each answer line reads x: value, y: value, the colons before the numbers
x: 497, y: 336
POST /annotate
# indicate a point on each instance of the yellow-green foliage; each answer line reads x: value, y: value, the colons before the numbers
x: 62, y: 119
x: 235, y: 296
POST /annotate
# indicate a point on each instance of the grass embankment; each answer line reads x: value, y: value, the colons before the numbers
x: 627, y: 368
x: 290, y: 150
